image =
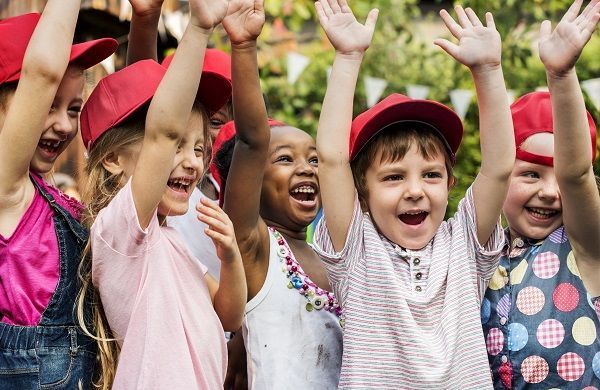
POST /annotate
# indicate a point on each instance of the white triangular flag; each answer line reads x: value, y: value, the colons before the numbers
x: 592, y: 88
x: 175, y: 23
x: 461, y: 100
x: 328, y: 70
x: 511, y: 94
x: 542, y: 89
x: 109, y: 64
x: 374, y: 88
x: 296, y: 63
x: 162, y: 29
x: 125, y: 10
x: 417, y: 91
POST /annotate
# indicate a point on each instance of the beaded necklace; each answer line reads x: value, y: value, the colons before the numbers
x: 317, y: 298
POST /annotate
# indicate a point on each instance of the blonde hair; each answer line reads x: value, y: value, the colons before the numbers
x: 100, y: 188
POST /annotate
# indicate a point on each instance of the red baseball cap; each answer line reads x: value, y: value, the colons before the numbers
x: 226, y: 133
x: 15, y: 34
x: 118, y: 96
x: 215, y: 83
x: 532, y: 114
x: 397, y: 108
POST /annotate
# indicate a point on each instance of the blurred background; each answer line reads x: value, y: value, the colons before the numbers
x: 294, y: 57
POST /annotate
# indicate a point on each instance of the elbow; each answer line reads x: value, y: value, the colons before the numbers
x: 44, y: 74
x: 232, y: 323
x: 573, y: 175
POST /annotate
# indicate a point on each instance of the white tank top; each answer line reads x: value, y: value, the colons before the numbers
x: 287, y: 345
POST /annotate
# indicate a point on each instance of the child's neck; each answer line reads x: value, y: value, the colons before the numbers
x: 288, y: 234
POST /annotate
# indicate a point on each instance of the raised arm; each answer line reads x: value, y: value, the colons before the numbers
x: 479, y: 48
x: 559, y: 50
x: 143, y: 30
x: 44, y: 66
x: 243, y: 23
x: 169, y: 112
x: 350, y: 40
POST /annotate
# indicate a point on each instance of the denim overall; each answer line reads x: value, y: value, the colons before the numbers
x: 55, y: 354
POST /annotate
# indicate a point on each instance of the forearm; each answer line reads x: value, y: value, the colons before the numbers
x: 230, y: 298
x: 171, y: 105
x: 48, y: 51
x: 249, y: 108
x: 495, y: 124
x: 572, y: 144
x: 142, y: 43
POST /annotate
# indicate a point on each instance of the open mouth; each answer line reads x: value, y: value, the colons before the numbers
x: 304, y: 193
x: 182, y: 185
x: 413, y: 218
x: 50, y: 147
x: 540, y: 213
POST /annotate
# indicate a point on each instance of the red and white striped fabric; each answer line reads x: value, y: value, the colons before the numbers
x: 404, y: 332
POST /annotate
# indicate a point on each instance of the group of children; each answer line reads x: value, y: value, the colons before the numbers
x: 197, y: 204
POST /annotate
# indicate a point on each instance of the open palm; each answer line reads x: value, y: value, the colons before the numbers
x: 478, y: 45
x: 345, y: 33
x: 560, y: 49
x: 208, y: 13
x: 244, y: 20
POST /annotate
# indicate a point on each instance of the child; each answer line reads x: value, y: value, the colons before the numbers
x: 41, y: 84
x: 291, y: 328
x: 157, y: 298
x: 540, y: 312
x: 409, y: 282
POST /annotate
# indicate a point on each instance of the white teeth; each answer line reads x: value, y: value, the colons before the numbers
x: 414, y: 212
x: 304, y: 189
x: 542, y: 211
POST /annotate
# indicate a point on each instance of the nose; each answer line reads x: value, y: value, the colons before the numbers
x: 413, y: 189
x: 192, y: 162
x: 549, y: 190
x: 305, y: 168
x: 62, y: 124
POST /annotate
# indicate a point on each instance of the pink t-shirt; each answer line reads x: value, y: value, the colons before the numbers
x: 157, y: 303
x: 29, y: 260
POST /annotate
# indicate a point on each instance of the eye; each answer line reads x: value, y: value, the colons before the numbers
x: 314, y: 161
x: 284, y: 159
x: 199, y: 151
x: 393, y: 178
x: 530, y: 175
x: 432, y: 175
x: 216, y: 123
x: 74, y: 111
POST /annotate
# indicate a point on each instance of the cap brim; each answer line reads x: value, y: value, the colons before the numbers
x: 86, y: 54
x: 435, y: 114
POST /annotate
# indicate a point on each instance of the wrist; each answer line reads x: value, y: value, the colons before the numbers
x: 349, y: 56
x: 195, y: 27
x: 151, y: 13
x: 485, y: 69
x: 553, y: 74
x: 244, y: 45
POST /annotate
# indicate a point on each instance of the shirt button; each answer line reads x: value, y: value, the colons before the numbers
x: 418, y: 288
x: 519, y: 243
x: 416, y: 261
x: 504, y: 359
x: 418, y: 276
x: 502, y: 320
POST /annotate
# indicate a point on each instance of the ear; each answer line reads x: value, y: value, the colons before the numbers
x: 112, y: 163
x: 451, y: 182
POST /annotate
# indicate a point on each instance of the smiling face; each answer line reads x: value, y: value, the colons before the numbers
x: 533, y: 207
x: 290, y: 191
x: 61, y: 124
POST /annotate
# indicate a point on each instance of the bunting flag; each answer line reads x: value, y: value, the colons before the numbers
x: 374, y: 88
x: 162, y: 28
x: 511, y: 94
x: 461, y: 100
x: 592, y: 88
x: 175, y: 22
x: 125, y: 10
x: 417, y: 91
x: 296, y: 63
x: 109, y: 64
x: 541, y: 89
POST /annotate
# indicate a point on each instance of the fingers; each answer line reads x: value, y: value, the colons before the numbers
x: 372, y: 18
x: 212, y: 215
x: 321, y: 13
x: 589, y: 29
x: 489, y: 20
x: 448, y: 47
x: 545, y: 30
x: 572, y: 12
x: 473, y: 17
x: 324, y: 5
x: 462, y: 17
x: 345, y: 7
x: 454, y: 28
x: 335, y: 7
x: 259, y: 6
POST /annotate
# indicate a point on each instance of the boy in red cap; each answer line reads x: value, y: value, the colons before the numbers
x: 165, y: 312
x: 410, y: 283
x: 41, y: 239
x: 541, y: 311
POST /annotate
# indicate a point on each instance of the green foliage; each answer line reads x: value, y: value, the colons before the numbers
x: 402, y: 55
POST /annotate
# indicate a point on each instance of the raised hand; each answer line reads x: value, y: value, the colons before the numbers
x: 244, y: 20
x: 345, y: 33
x: 220, y: 230
x: 146, y: 7
x: 478, y: 46
x: 560, y: 49
x: 206, y: 14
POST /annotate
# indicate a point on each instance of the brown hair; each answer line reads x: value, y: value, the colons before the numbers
x: 100, y: 188
x: 393, y: 143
